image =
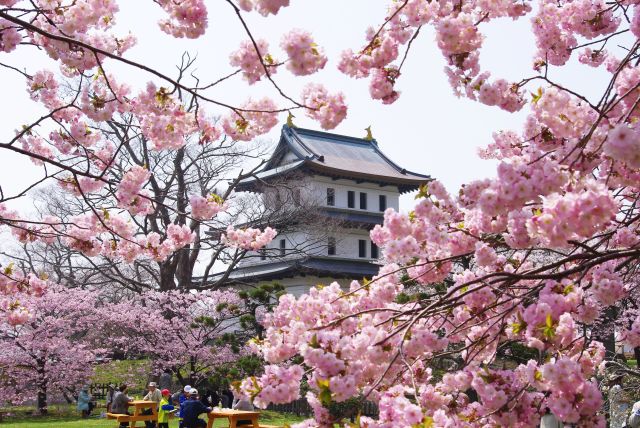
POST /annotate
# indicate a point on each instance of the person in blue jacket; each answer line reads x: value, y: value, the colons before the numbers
x: 179, y: 399
x: 84, y: 402
x: 192, y: 409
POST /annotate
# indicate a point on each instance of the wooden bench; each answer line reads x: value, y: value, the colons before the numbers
x: 119, y: 417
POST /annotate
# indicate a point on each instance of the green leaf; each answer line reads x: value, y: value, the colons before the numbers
x: 314, y: 342
x: 325, y: 392
x: 536, y: 96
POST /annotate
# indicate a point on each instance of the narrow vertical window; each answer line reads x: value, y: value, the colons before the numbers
x: 331, y: 246
x: 296, y: 196
x: 374, y: 250
x: 263, y: 254
x: 331, y: 197
x: 363, y: 201
x: 382, y: 199
x: 351, y: 199
x: 283, y: 247
x: 362, y: 248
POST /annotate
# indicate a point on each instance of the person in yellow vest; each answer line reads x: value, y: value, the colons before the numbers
x: 165, y: 409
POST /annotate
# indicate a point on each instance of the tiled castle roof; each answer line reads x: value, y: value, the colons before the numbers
x: 333, y: 155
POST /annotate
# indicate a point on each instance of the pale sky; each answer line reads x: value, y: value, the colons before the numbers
x: 428, y: 130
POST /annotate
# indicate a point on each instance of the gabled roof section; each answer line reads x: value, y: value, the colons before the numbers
x: 334, y: 155
x: 330, y: 267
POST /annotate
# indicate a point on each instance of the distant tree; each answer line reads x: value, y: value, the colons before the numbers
x: 54, y: 352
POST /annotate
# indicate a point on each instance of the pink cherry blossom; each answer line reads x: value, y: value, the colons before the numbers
x: 305, y: 57
x: 328, y: 110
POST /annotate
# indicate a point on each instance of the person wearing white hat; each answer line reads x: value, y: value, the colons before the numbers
x: 154, y: 395
x: 192, y: 409
x: 182, y: 397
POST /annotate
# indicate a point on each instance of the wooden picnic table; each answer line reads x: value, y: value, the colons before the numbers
x: 137, y: 416
x: 233, y: 416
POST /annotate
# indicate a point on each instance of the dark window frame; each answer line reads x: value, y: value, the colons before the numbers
x: 362, y: 248
x: 331, y: 197
x: 283, y: 247
x: 375, y: 251
x: 382, y: 202
x: 331, y: 246
x: 363, y: 200
x: 351, y: 199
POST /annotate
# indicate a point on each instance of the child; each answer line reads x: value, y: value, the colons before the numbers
x: 165, y: 410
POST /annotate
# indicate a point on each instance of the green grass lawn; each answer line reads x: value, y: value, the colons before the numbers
x: 66, y: 420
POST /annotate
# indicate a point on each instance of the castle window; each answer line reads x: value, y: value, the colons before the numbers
x: 331, y: 246
x: 362, y: 248
x: 351, y: 199
x: 296, y: 196
x: 374, y: 250
x: 382, y: 200
x: 263, y: 254
x: 363, y: 201
x: 331, y: 197
x: 283, y: 247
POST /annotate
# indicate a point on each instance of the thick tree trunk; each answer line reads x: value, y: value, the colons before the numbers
x: 636, y: 354
x: 42, y: 402
x: 167, y: 272
x: 42, y: 387
x: 607, y: 337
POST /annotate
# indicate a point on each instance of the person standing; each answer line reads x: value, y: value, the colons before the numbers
x: 192, y: 409
x: 84, y: 402
x: 155, y: 396
x: 549, y: 420
x: 110, y: 393
x: 165, y: 409
x: 121, y: 403
x: 618, y: 403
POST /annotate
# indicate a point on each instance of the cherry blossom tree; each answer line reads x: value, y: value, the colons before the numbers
x: 186, y: 334
x: 533, y: 257
x: 93, y: 119
x: 55, y: 351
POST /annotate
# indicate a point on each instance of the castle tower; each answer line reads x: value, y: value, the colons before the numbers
x: 350, y: 182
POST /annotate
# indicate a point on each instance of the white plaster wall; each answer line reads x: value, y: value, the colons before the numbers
x: 319, y: 185
x: 301, y: 284
x: 347, y: 246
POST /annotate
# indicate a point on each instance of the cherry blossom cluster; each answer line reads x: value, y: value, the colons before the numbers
x: 276, y: 385
x: 329, y: 110
x: 249, y: 238
x: 256, y: 118
x: 264, y: 7
x: 305, y: 57
x: 10, y: 36
x: 206, y: 208
x: 251, y: 62
x: 163, y: 119
x: 187, y: 18
x: 130, y: 194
